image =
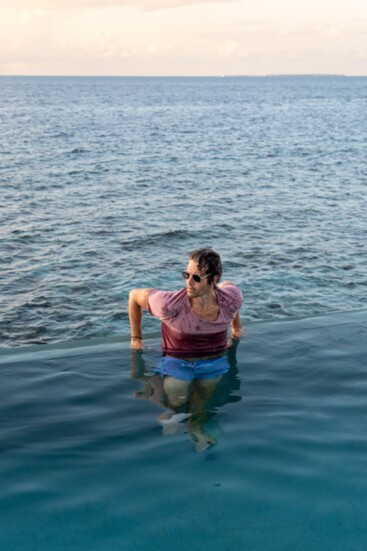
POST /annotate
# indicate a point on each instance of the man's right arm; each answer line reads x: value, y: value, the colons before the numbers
x: 138, y: 301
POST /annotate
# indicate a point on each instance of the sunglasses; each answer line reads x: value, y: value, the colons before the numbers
x: 195, y: 277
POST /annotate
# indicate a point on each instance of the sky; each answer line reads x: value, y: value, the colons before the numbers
x: 183, y: 37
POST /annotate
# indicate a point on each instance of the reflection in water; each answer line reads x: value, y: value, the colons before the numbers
x: 203, y: 401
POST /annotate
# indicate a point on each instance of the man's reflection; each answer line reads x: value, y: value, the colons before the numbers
x: 191, y: 404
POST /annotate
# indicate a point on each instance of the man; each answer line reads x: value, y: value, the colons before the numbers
x: 195, y: 324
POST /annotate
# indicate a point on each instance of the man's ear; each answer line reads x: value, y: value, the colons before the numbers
x: 215, y: 280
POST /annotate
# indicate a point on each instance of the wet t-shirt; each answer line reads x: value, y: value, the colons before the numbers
x: 184, y: 334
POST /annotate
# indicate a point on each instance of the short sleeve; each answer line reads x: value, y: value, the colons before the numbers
x: 230, y: 298
x: 163, y: 304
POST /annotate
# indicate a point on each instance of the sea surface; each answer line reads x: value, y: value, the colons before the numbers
x: 107, y: 183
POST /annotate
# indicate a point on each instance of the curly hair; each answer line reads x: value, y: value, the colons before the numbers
x: 208, y: 260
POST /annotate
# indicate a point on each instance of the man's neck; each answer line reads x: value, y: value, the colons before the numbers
x: 204, y: 301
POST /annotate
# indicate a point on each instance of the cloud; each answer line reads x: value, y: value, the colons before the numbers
x: 199, y: 37
x: 330, y: 30
x: 148, y: 5
x: 228, y: 48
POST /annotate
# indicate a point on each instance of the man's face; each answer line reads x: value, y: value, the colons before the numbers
x: 193, y: 288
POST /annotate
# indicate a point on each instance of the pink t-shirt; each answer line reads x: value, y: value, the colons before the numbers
x: 184, y: 334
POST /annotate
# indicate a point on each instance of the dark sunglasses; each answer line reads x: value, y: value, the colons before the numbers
x: 195, y: 277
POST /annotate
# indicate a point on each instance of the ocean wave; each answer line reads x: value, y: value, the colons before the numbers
x: 88, y: 212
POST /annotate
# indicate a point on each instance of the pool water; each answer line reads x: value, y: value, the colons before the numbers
x: 85, y: 464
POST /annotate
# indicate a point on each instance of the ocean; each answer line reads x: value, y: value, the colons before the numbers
x: 107, y: 184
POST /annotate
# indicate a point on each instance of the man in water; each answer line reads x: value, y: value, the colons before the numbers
x: 195, y: 324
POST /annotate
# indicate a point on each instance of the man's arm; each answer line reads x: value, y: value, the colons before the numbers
x: 236, y: 326
x: 138, y: 301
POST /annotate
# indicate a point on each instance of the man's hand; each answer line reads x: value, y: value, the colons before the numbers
x: 236, y: 333
x: 136, y: 344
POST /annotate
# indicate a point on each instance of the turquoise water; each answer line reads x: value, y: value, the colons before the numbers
x: 85, y: 465
x: 107, y: 183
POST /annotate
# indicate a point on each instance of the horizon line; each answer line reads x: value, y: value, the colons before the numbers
x: 267, y: 75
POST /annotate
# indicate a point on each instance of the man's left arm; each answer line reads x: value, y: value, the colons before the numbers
x: 236, y: 326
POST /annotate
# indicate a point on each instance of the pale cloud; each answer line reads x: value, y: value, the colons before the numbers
x: 229, y: 48
x: 330, y: 30
x: 25, y: 34
x: 25, y: 16
x: 191, y: 37
x: 137, y: 4
x: 153, y: 48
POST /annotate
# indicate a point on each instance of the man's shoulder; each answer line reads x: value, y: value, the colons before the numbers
x: 167, y: 295
x: 165, y: 304
x: 230, y: 293
x: 229, y: 286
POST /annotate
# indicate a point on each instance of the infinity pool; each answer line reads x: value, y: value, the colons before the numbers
x: 86, y: 464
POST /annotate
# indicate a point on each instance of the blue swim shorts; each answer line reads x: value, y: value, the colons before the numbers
x: 190, y: 370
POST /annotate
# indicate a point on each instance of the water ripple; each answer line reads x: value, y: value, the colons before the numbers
x: 108, y: 188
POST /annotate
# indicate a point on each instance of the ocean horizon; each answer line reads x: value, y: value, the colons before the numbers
x: 239, y: 75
